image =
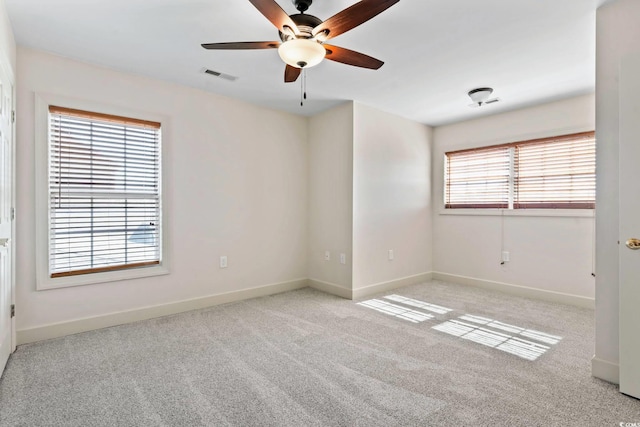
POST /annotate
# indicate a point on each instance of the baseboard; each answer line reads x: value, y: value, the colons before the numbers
x: 330, y: 288
x: 56, y: 330
x: 522, y: 291
x: 391, y: 284
x: 605, y: 370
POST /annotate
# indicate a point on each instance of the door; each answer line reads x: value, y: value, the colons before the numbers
x: 629, y: 85
x: 6, y: 214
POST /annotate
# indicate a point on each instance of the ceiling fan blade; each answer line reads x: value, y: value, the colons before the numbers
x: 351, y: 17
x: 241, y: 45
x: 351, y: 57
x: 291, y: 74
x: 274, y: 13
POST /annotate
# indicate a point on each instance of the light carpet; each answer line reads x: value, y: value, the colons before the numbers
x: 434, y: 354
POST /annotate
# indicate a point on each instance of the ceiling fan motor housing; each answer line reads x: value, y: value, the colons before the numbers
x: 305, y: 23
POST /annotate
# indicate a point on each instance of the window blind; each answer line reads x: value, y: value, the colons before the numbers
x: 104, y: 192
x: 556, y: 172
x: 477, y: 178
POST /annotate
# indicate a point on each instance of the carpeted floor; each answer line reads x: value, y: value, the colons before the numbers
x: 433, y: 354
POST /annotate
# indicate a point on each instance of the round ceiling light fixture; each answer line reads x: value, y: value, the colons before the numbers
x: 302, y: 53
x: 480, y: 94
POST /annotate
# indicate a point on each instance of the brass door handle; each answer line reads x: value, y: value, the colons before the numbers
x: 633, y: 243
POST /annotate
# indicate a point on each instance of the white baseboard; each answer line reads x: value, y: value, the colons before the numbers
x: 341, y: 291
x: 522, y: 291
x: 605, y: 370
x: 601, y: 369
x: 391, y: 284
x: 56, y: 330
x: 331, y: 288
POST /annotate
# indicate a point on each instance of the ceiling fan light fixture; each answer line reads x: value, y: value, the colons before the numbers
x: 302, y: 53
x: 480, y: 95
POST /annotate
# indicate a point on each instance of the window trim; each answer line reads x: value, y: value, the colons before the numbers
x: 514, y: 205
x: 43, y: 279
x: 565, y: 213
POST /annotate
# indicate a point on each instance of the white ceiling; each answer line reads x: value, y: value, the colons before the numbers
x: 529, y: 51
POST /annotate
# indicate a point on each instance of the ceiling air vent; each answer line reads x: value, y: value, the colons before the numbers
x: 221, y: 75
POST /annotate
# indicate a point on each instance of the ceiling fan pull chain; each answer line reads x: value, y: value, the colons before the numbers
x: 303, y: 87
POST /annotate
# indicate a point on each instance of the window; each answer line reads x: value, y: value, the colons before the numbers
x: 104, y: 193
x: 557, y: 172
x: 478, y: 178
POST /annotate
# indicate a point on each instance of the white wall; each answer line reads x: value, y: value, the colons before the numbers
x: 235, y: 185
x: 7, y: 42
x: 550, y: 253
x: 369, y: 191
x: 617, y: 34
x: 391, y: 197
x: 331, y: 195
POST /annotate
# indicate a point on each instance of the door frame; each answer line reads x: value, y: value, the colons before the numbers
x: 8, y: 71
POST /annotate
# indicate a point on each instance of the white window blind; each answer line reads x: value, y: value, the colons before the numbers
x: 104, y: 192
x: 477, y: 178
x: 556, y: 172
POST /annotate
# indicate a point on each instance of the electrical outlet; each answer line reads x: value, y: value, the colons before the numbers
x: 327, y: 256
x: 343, y: 258
x: 505, y: 256
x: 223, y: 261
x: 390, y: 254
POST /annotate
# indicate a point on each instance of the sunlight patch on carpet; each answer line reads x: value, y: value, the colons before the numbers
x: 419, y: 304
x: 508, y: 343
x: 404, y: 313
x: 529, y: 333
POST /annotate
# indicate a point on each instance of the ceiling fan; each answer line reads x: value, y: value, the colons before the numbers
x: 302, y: 37
x: 480, y: 96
